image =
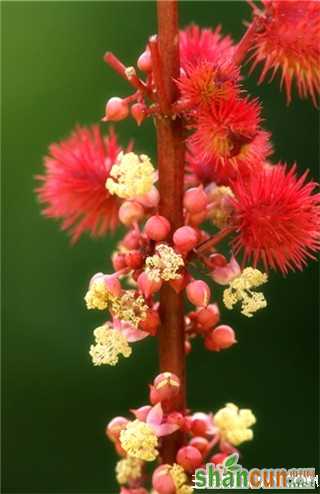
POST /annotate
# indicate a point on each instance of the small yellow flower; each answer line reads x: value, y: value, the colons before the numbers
x: 129, y: 308
x: 139, y: 440
x: 234, y: 424
x: 98, y: 296
x: 164, y: 264
x: 240, y: 291
x: 134, y: 176
x: 110, y: 343
x: 128, y: 469
x: 180, y: 478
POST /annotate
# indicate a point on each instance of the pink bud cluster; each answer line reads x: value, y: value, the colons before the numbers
x: 205, y: 443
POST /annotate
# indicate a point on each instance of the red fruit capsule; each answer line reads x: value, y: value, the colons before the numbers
x: 189, y: 458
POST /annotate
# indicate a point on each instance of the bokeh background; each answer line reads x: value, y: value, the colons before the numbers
x: 55, y: 403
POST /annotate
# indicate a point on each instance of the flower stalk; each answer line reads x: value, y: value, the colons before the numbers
x: 170, y: 154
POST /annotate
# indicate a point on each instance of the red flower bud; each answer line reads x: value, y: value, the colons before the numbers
x: 195, y: 200
x: 218, y: 458
x: 138, y: 112
x: 201, y: 443
x: 150, y: 199
x: 157, y: 228
x: 208, y: 316
x: 134, y: 259
x: 118, y: 261
x: 185, y: 239
x: 197, y: 218
x: 147, y: 285
x: 198, y: 293
x: 116, y: 109
x: 131, y: 240
x: 200, y: 423
x: 130, y: 212
x: 180, y: 283
x: 220, y: 338
x: 162, y: 481
x: 144, y: 61
x: 167, y: 385
x: 115, y: 426
x: 189, y: 458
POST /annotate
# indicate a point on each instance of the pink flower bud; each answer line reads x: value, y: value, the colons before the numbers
x: 144, y: 62
x: 154, y: 397
x: 131, y: 240
x: 148, y: 286
x: 150, y: 199
x: 115, y: 426
x: 220, y: 338
x: 162, y: 481
x: 208, y: 316
x: 138, y: 113
x: 185, y: 238
x: 189, y: 458
x: 113, y: 285
x: 218, y: 260
x: 134, y: 259
x: 130, y: 212
x: 157, y: 228
x: 197, y: 218
x: 218, y: 458
x: 118, y: 261
x: 225, y: 274
x: 195, y: 200
x: 167, y: 385
x: 116, y: 109
x: 201, y: 443
x: 198, y: 293
x: 200, y: 424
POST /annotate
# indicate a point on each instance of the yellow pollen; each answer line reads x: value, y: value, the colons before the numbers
x: 164, y: 264
x: 180, y: 478
x: 234, y: 424
x: 130, y: 308
x: 128, y: 469
x: 240, y: 291
x: 98, y: 296
x: 139, y: 440
x: 109, y: 344
x: 134, y: 176
x: 221, y: 207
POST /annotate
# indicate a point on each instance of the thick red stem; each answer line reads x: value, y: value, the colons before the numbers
x: 170, y: 151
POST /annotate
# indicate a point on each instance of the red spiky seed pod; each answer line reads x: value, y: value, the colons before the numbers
x: 277, y: 218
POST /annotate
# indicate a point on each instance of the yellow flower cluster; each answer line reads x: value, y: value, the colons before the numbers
x: 164, y: 264
x: 110, y: 343
x: 179, y: 478
x: 98, y: 295
x: 234, y: 424
x: 130, y: 308
x: 240, y: 291
x: 133, y: 174
x: 128, y: 469
x: 139, y: 440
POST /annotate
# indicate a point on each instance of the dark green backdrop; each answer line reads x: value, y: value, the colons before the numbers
x: 55, y: 402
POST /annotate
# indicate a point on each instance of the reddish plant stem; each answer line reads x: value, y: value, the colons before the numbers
x: 170, y: 151
x: 213, y: 241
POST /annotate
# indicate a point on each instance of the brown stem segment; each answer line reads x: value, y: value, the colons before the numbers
x: 170, y: 151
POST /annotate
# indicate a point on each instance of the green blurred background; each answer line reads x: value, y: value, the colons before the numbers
x: 55, y: 403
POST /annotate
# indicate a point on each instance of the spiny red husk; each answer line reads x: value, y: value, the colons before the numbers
x: 290, y: 41
x: 206, y: 82
x: 198, y: 45
x: 277, y: 218
x: 73, y: 186
x: 228, y: 139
